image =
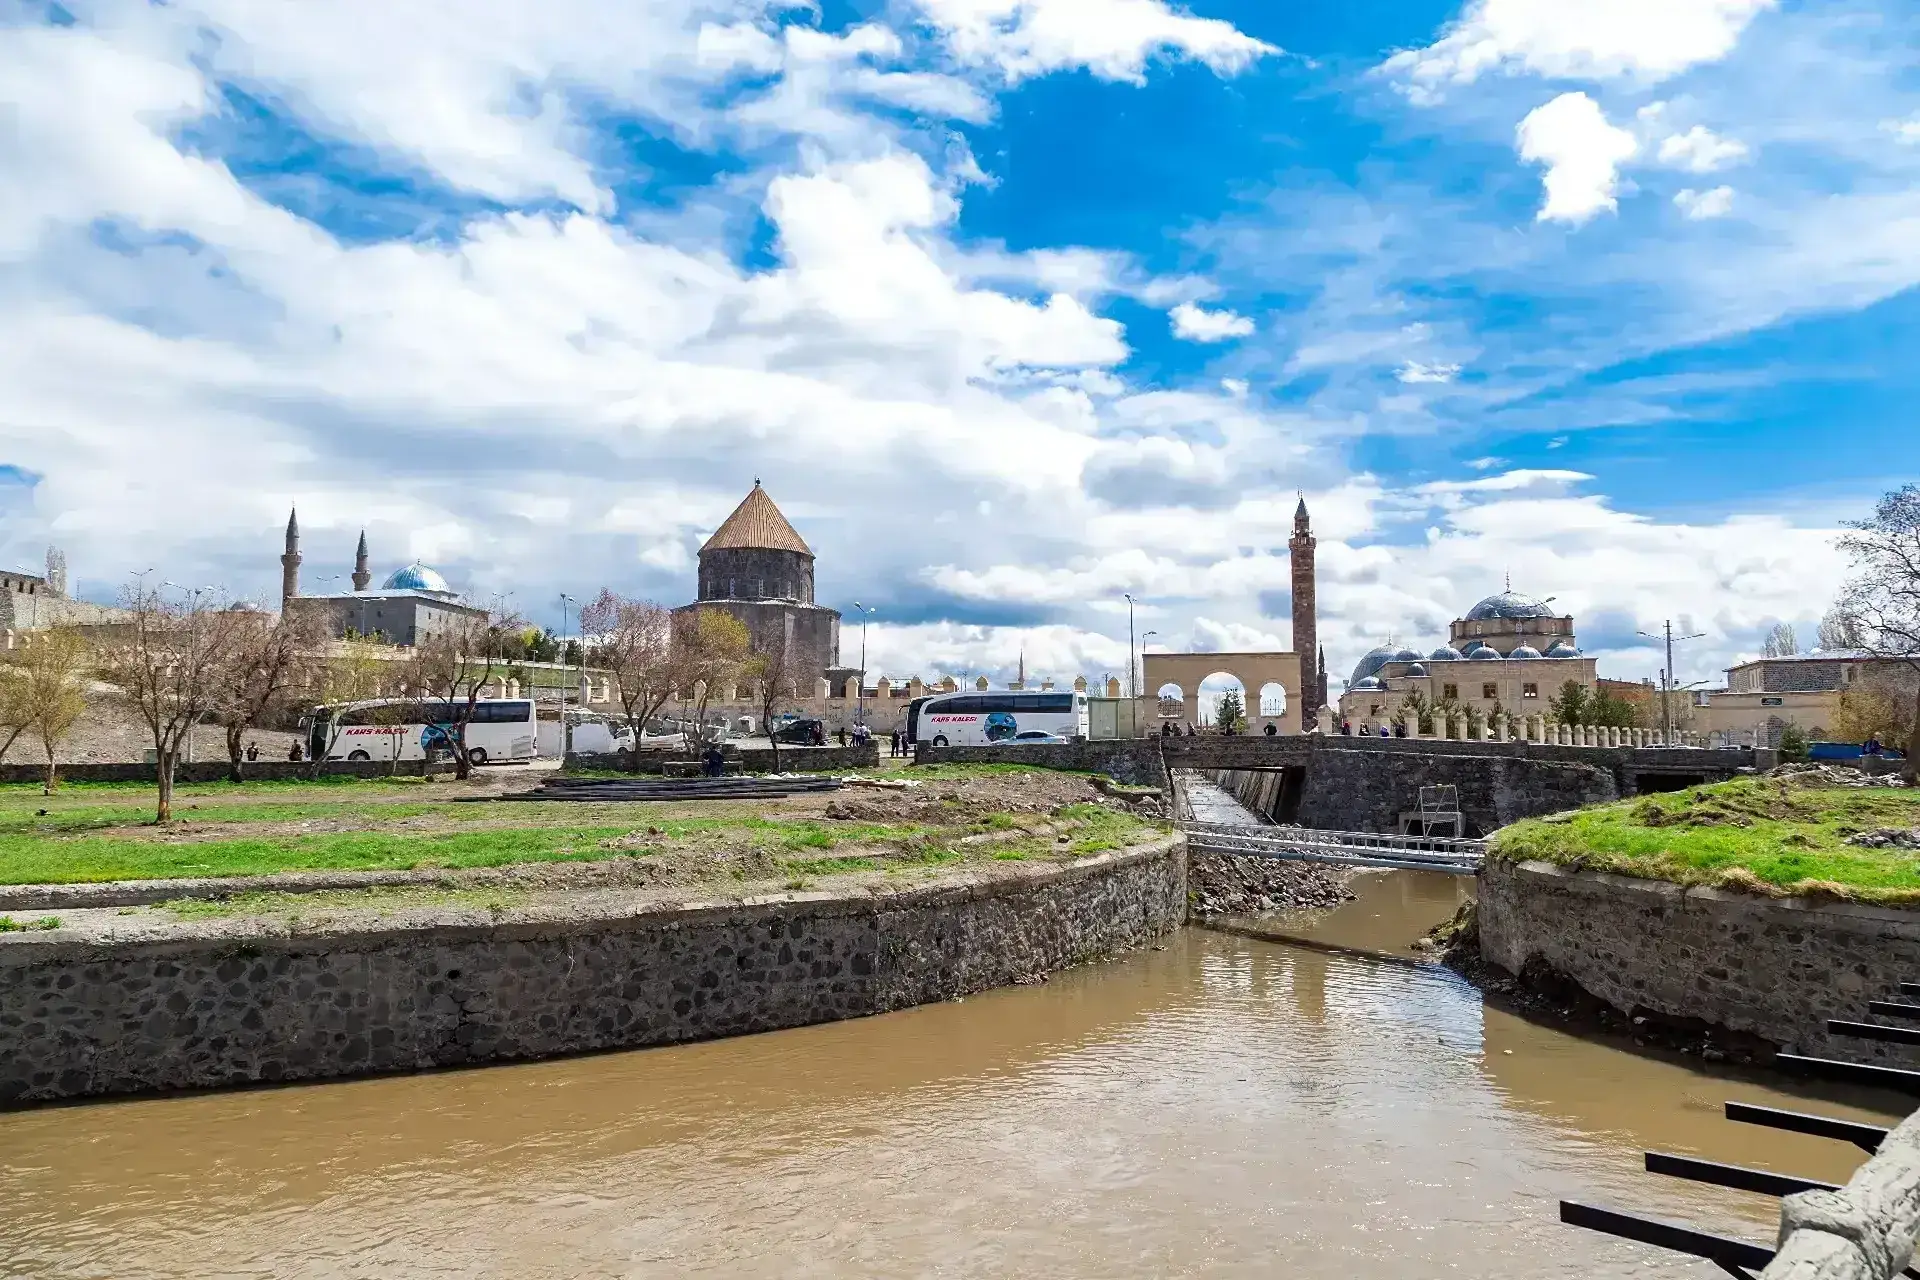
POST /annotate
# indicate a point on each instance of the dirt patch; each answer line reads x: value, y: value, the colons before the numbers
x: 959, y: 802
x: 1224, y: 886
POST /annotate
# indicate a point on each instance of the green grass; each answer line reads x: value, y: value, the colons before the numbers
x: 9, y: 925
x: 1754, y: 834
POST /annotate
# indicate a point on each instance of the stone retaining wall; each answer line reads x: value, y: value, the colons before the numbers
x: 747, y: 760
x: 216, y: 771
x: 240, y: 1002
x: 1774, y: 968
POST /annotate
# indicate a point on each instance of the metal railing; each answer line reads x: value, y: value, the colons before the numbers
x: 1340, y: 848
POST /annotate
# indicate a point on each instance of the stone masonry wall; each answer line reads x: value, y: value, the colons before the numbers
x: 226, y: 1006
x: 1773, y: 968
x: 748, y: 760
x: 1368, y: 791
x: 216, y: 771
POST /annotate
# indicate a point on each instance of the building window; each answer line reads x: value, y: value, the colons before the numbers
x: 1529, y: 690
x: 1490, y: 691
x: 1450, y: 691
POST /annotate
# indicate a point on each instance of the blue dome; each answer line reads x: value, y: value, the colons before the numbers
x: 1508, y: 604
x: 1406, y: 655
x: 1418, y: 670
x: 1525, y: 651
x: 1371, y: 662
x: 1485, y: 653
x: 1561, y: 649
x: 1369, y: 684
x: 1445, y: 653
x: 417, y: 577
x: 1468, y: 649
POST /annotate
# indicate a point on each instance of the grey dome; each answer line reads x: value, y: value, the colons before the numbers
x: 1508, y: 604
x: 1468, y: 649
x: 1418, y: 669
x: 417, y: 577
x: 1561, y: 649
x: 1445, y: 653
x: 1367, y: 684
x: 1525, y: 651
x: 1485, y: 653
x: 1371, y: 662
x: 1406, y: 655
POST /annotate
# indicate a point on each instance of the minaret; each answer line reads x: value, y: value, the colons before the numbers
x: 362, y: 575
x: 1306, y: 632
x: 290, y: 561
x: 1321, y: 684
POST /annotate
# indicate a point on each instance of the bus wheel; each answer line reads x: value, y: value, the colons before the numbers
x: 940, y: 741
x: 358, y: 755
x: 476, y: 755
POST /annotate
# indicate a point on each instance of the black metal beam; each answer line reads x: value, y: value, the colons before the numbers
x: 1872, y: 1031
x: 1899, y: 1081
x: 1910, y: 988
x: 1732, y: 1175
x: 1736, y: 1257
x: 1865, y: 1136
x: 1893, y: 1009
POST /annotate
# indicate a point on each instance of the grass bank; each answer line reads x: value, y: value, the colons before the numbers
x: 1774, y: 835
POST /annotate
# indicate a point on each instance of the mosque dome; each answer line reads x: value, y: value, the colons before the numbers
x: 417, y: 577
x: 1445, y: 653
x: 1418, y: 670
x: 1371, y: 662
x: 1468, y: 649
x: 1485, y: 653
x: 1509, y: 604
x: 1406, y: 655
x: 1561, y: 649
x: 1524, y: 651
x: 1370, y: 684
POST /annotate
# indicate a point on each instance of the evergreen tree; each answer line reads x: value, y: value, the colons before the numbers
x: 1231, y: 715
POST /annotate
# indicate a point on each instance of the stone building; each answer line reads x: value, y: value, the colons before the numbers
x: 757, y: 568
x: 1510, y: 652
x: 413, y: 604
x: 1764, y: 696
x: 32, y: 602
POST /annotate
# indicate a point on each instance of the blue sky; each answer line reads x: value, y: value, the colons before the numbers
x: 1017, y: 305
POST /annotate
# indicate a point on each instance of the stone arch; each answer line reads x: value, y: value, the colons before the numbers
x: 1214, y: 687
x: 1272, y: 701
x: 1173, y: 701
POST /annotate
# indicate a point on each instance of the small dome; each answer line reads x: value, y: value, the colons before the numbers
x: 1561, y: 649
x: 1371, y: 662
x: 1417, y: 670
x: 1369, y: 684
x: 1484, y: 653
x: 417, y: 577
x: 1467, y: 650
x: 243, y: 606
x: 1445, y: 653
x: 1508, y: 604
x: 1524, y: 651
x: 1406, y: 655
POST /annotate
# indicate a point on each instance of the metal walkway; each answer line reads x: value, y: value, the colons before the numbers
x: 1341, y: 848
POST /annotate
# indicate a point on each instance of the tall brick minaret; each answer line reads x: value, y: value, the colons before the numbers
x: 1306, y: 632
x: 290, y: 561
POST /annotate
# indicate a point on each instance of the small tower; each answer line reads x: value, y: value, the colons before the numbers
x: 362, y: 573
x: 290, y: 561
x: 1306, y: 631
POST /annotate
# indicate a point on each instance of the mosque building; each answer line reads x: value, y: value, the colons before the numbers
x: 1511, y: 652
x: 413, y: 604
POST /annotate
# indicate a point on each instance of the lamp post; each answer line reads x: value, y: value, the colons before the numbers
x: 860, y: 709
x: 1133, y: 688
x: 1666, y: 692
x: 566, y: 728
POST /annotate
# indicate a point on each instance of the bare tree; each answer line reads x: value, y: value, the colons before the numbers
x: 1838, y: 632
x: 776, y: 668
x: 15, y: 718
x: 450, y: 669
x: 1780, y: 642
x: 633, y: 639
x: 171, y: 663
x: 270, y: 660
x: 711, y: 648
x: 355, y: 671
x: 1880, y: 604
x: 44, y: 690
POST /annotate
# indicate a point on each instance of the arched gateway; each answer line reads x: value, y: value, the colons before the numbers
x: 1255, y: 672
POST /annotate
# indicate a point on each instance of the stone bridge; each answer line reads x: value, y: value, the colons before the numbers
x: 1370, y: 784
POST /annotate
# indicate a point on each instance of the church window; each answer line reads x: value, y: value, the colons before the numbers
x: 1489, y: 691
x: 1450, y: 691
x: 1529, y: 690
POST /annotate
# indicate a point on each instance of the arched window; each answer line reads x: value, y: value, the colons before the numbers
x: 1273, y: 699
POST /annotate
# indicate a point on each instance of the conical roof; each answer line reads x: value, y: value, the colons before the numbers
x: 756, y: 523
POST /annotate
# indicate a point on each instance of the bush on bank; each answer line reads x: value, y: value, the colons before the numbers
x: 1771, y: 835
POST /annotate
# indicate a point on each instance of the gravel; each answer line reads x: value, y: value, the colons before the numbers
x: 1224, y: 886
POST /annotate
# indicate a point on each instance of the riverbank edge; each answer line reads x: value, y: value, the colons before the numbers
x: 1725, y: 974
x: 228, y: 1002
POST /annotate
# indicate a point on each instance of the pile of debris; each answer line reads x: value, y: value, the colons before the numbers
x: 1801, y: 773
x: 1227, y: 886
x: 1887, y: 838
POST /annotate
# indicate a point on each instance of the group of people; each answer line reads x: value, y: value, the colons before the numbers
x: 1167, y: 730
x: 860, y: 735
x: 1366, y: 730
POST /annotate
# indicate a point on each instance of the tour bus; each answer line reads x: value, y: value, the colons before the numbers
x: 500, y: 729
x: 979, y: 719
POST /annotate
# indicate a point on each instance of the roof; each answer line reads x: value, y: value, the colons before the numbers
x: 1509, y: 604
x: 758, y: 524
x: 1818, y: 655
x: 417, y: 577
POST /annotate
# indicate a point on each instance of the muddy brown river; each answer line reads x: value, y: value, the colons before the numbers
x: 1226, y: 1106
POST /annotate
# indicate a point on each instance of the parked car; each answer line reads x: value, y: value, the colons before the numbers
x: 1029, y: 738
x: 800, y: 733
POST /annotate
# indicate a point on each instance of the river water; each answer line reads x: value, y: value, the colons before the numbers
x: 1225, y: 1106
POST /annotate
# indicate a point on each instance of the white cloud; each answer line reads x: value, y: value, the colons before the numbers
x: 1701, y: 205
x: 1414, y: 371
x: 1197, y: 324
x: 1907, y: 131
x: 1582, y: 154
x: 1114, y: 39
x: 1576, y: 39
x: 1700, y: 150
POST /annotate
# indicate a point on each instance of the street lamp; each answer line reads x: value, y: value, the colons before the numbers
x: 566, y: 729
x: 860, y: 708
x: 1133, y: 688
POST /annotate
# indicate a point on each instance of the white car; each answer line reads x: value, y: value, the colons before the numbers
x: 1031, y: 738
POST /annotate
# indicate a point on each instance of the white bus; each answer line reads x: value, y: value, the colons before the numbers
x: 386, y: 729
x: 981, y: 719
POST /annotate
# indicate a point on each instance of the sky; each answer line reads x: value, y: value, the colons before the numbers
x: 1017, y: 307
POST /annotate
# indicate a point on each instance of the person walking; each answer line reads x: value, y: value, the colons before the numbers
x: 1271, y: 731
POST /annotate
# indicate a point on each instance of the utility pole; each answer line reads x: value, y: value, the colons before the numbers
x: 860, y: 710
x: 1133, y: 663
x: 566, y: 729
x: 1666, y: 681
